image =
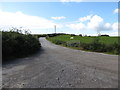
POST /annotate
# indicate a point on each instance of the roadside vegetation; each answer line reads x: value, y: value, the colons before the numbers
x: 15, y: 44
x: 103, y: 43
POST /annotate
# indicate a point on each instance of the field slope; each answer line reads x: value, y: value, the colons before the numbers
x: 93, y: 43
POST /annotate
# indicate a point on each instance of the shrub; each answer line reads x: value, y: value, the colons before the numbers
x: 40, y: 35
x: 59, y: 42
x: 80, y: 35
x: 85, y: 46
x: 116, y: 48
x: 95, y: 45
x: 52, y: 35
x: 105, y: 35
x: 55, y: 34
x: 15, y: 44
x: 73, y: 44
x: 72, y: 35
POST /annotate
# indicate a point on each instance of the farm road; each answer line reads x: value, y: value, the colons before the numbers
x: 60, y: 67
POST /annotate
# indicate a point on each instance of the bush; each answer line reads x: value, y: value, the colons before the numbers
x: 115, y: 48
x: 80, y: 35
x: 73, y: 44
x: 85, y: 46
x: 95, y: 45
x: 55, y: 34
x: 59, y: 42
x: 105, y: 35
x: 15, y: 44
x: 40, y: 35
x: 72, y: 35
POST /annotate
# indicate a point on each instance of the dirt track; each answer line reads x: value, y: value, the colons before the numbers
x: 60, y: 67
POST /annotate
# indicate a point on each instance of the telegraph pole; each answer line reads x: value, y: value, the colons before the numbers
x: 98, y: 32
x: 55, y: 28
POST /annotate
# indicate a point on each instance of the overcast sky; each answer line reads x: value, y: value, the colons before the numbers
x: 87, y: 18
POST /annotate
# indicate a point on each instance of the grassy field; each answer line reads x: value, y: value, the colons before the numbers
x: 92, y: 43
x: 105, y: 40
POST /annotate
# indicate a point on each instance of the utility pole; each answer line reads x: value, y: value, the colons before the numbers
x: 98, y: 33
x: 55, y: 28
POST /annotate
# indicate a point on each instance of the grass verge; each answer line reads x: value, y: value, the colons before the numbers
x: 99, y: 44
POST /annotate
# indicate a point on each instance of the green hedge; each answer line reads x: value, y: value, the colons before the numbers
x: 58, y: 42
x: 15, y: 44
x: 97, y: 46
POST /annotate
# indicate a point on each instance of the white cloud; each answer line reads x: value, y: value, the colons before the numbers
x: 115, y: 26
x: 107, y: 26
x: 116, y: 11
x: 82, y: 19
x: 114, y: 34
x: 78, y: 26
x: 18, y: 19
x: 58, y: 18
x: 95, y: 23
x: 111, y: 33
x: 40, y: 24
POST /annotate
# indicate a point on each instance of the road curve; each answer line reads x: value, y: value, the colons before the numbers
x: 60, y: 67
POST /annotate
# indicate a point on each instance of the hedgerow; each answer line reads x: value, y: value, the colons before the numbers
x: 16, y: 44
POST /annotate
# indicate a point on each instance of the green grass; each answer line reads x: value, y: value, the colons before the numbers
x: 105, y: 44
x: 105, y: 40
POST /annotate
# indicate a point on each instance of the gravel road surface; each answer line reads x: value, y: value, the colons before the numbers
x: 60, y: 67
